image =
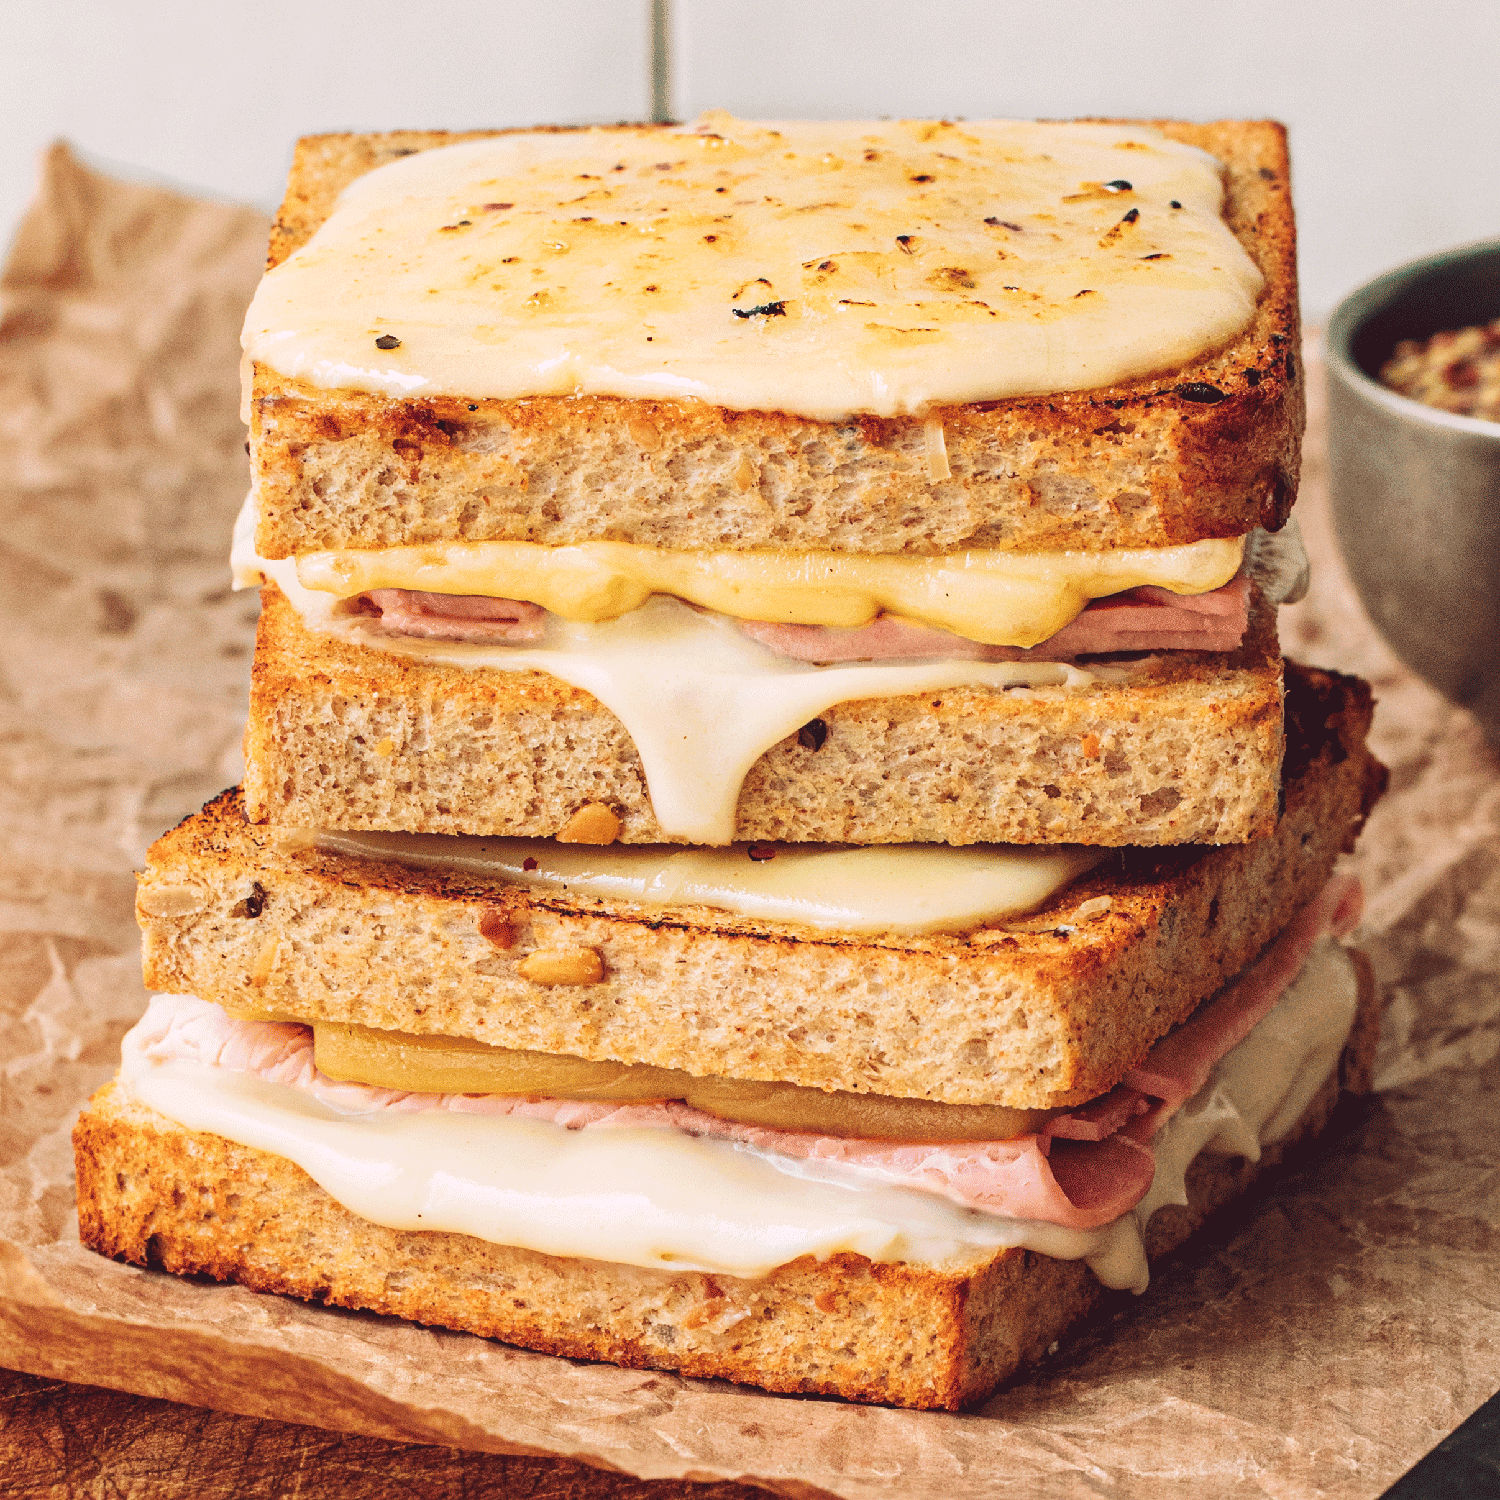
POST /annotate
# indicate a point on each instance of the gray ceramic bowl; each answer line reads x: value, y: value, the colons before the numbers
x: 1416, y: 491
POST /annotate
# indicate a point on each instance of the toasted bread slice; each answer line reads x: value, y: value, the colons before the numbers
x: 1187, y: 749
x: 1211, y: 448
x: 154, y: 1193
x: 1033, y: 1013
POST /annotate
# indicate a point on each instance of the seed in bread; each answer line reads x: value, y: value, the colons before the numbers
x: 1188, y: 751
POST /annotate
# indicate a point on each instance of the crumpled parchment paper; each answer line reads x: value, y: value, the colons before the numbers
x: 1348, y: 1322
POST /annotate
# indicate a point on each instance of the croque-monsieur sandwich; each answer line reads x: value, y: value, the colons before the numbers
x: 857, y: 453
x: 890, y: 1167
x: 823, y: 497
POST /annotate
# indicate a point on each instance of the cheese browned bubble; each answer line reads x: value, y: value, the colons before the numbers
x: 998, y: 598
x: 819, y: 268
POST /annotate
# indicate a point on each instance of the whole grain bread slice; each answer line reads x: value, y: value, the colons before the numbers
x: 1187, y: 749
x: 1211, y: 448
x: 944, y: 1336
x: 1033, y: 1013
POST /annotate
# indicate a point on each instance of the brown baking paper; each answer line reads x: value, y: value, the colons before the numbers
x: 1344, y: 1326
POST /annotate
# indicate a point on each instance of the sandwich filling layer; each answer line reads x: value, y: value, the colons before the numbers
x: 701, y: 700
x: 665, y: 1184
x: 817, y: 268
x: 903, y: 888
x: 412, y: 1063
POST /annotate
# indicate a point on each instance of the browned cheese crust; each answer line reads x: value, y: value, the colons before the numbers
x: 1208, y: 449
x: 155, y: 1194
x: 1033, y: 1013
x: 1188, y: 750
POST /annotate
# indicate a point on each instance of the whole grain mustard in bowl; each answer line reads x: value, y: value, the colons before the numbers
x: 1456, y: 369
x: 1416, y: 482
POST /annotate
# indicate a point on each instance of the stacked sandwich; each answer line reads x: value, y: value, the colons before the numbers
x: 777, y: 840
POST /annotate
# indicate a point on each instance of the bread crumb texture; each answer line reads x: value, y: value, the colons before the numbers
x: 1040, y: 1011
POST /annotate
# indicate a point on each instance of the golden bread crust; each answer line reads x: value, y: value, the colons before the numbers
x: 1208, y: 449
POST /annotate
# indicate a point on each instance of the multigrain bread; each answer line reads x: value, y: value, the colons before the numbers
x: 1187, y: 749
x: 154, y: 1193
x: 1211, y: 448
x: 1043, y: 1011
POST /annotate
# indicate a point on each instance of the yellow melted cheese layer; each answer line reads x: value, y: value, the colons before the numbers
x: 700, y: 700
x: 816, y: 267
x: 998, y: 598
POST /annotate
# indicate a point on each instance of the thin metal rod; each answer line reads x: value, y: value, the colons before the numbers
x: 661, y: 59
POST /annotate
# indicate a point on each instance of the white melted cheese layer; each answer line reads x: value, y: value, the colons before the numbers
x: 660, y: 1198
x: 643, y: 1197
x: 700, y: 699
x: 904, y: 888
x: 816, y: 267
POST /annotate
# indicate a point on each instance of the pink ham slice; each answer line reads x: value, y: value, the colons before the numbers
x: 1144, y: 619
x: 473, y: 618
x: 1083, y: 1171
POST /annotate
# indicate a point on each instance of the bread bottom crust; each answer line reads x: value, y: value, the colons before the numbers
x: 154, y: 1193
x: 1187, y: 751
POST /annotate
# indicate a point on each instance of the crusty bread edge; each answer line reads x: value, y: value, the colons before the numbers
x: 1186, y: 750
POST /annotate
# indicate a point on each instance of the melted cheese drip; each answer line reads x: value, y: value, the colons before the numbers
x: 900, y: 888
x: 822, y: 268
x: 659, y: 1198
x: 701, y: 701
x: 999, y: 598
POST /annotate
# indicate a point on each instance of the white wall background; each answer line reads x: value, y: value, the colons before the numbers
x: 1394, y: 105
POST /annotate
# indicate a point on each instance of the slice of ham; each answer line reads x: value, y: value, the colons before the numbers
x: 1082, y: 1171
x: 474, y: 618
x: 1178, y: 1065
x: 1143, y: 619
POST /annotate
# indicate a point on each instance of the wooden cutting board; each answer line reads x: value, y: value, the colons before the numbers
x: 59, y: 1440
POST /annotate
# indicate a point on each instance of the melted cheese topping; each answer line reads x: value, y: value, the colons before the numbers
x: 903, y: 888
x: 999, y: 598
x: 701, y: 701
x: 659, y: 1198
x: 822, y: 268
